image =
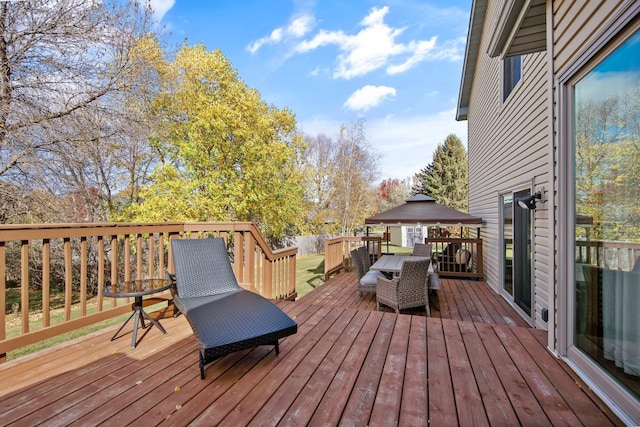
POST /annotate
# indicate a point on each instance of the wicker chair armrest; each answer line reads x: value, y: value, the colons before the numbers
x: 172, y: 278
x: 387, y: 282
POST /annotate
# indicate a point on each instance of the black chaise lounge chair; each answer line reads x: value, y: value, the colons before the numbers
x: 224, y: 317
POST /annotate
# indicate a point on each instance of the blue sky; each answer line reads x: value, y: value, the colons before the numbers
x: 396, y: 64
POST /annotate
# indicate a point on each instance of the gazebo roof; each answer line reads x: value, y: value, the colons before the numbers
x: 423, y: 210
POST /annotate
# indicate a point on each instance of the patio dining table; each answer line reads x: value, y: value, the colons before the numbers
x: 393, y: 264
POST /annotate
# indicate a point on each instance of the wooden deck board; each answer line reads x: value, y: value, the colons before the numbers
x: 388, y: 399
x: 469, y: 405
x: 441, y: 401
x: 475, y: 362
x: 414, y: 409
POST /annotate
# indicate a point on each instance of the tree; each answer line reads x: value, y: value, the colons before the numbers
x: 225, y: 154
x: 65, y: 72
x: 445, y: 178
x: 391, y: 193
x: 339, y: 174
x: 319, y: 172
x: 356, y: 170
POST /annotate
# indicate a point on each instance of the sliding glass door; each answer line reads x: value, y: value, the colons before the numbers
x: 516, y: 251
x: 606, y: 149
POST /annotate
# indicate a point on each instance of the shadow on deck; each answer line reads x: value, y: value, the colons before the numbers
x: 478, y: 363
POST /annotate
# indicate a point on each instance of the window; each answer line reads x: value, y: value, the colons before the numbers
x: 511, y: 74
x: 606, y: 159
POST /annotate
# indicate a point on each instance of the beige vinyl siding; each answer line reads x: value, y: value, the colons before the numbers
x: 574, y: 24
x: 508, y: 150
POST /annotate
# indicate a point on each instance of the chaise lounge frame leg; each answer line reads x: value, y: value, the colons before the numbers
x: 201, y: 366
x: 277, y: 347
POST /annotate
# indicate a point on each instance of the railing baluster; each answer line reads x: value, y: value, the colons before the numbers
x: 68, y: 279
x: 24, y: 286
x: 100, y: 243
x: 139, y: 272
x: 46, y: 282
x: 83, y: 276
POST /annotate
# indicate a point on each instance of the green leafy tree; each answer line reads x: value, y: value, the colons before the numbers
x: 445, y: 178
x: 225, y: 154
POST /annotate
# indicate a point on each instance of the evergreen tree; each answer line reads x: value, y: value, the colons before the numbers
x: 445, y: 178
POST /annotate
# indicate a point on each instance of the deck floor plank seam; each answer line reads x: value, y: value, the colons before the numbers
x: 280, y: 400
x: 495, y: 400
x: 469, y: 407
x: 520, y: 395
x: 332, y: 406
x: 442, y: 410
x: 362, y: 398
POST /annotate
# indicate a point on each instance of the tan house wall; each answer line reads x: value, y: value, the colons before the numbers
x: 582, y: 33
x: 575, y: 29
x: 526, y: 143
x: 510, y: 151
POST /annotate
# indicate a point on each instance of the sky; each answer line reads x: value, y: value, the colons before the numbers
x: 395, y: 64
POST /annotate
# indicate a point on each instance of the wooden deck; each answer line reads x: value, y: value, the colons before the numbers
x: 474, y: 362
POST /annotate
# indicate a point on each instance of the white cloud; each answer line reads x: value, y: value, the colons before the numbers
x: 375, y: 46
x: 368, y: 97
x: 405, y: 144
x: 160, y: 8
x: 420, y: 51
x: 297, y: 28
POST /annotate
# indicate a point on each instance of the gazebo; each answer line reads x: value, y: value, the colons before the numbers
x: 424, y: 211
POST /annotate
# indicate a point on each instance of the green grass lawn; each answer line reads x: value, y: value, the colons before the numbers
x: 309, y: 273
x: 310, y: 269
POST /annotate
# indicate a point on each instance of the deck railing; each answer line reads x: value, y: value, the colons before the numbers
x: 81, y: 259
x: 336, y: 252
x: 458, y: 257
x: 613, y: 255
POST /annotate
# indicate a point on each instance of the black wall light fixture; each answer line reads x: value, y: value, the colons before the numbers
x: 529, y: 202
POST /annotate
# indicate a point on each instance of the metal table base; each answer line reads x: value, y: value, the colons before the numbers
x: 139, y: 315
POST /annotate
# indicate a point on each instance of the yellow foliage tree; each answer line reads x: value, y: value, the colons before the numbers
x: 225, y: 154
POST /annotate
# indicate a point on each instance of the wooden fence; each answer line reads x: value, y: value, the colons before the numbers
x: 82, y: 259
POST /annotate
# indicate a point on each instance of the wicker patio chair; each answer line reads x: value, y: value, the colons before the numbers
x: 366, y: 279
x: 224, y: 317
x: 422, y: 249
x: 406, y: 291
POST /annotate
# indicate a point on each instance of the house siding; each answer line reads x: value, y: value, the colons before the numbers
x: 525, y: 143
x: 581, y: 34
x: 511, y: 156
x: 574, y: 27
